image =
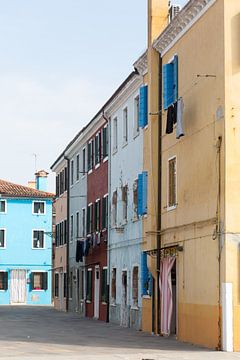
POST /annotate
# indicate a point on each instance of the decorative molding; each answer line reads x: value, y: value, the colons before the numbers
x: 141, y: 64
x: 181, y: 23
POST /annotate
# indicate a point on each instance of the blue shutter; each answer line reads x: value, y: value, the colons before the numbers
x: 144, y: 274
x: 143, y: 106
x: 150, y: 284
x: 144, y: 192
x: 140, y: 195
x: 168, y: 85
x: 175, y: 78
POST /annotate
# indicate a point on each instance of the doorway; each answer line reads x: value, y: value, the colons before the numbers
x: 61, y: 290
x: 124, y: 310
x: 173, y: 327
x: 96, y: 292
x: 18, y: 283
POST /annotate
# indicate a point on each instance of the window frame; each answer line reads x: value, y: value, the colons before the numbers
x: 104, y: 288
x: 71, y: 228
x: 44, y: 242
x: 72, y: 172
x: 5, y: 238
x: 135, y: 302
x: 115, y: 134
x: 171, y: 207
x: 89, y: 295
x: 84, y: 222
x: 4, y: 272
x: 32, y: 280
x: 41, y: 201
x: 84, y: 161
x: 136, y: 128
x: 77, y: 167
x: 125, y: 118
x: 56, y: 274
x: 3, y: 212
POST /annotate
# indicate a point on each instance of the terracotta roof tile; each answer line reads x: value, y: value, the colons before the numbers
x: 9, y: 189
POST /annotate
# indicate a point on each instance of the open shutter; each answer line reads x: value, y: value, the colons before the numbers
x: 5, y: 281
x: 31, y: 281
x: 175, y: 78
x: 144, y: 192
x: 144, y: 274
x: 140, y: 195
x: 150, y: 284
x: 143, y: 106
x: 103, y: 213
x: 168, y: 74
x: 45, y: 281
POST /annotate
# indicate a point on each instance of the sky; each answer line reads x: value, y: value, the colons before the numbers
x: 60, y: 61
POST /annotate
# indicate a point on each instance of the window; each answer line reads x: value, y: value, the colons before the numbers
x: 61, y: 233
x: 38, y: 239
x: 105, y: 212
x: 90, y: 219
x: 136, y: 117
x: 89, y: 285
x: 135, y: 199
x: 125, y: 126
x: 143, y: 106
x: 124, y: 202
x: 104, y: 285
x: 113, y: 286
x: 97, y: 149
x: 81, y: 284
x: 71, y: 228
x: 71, y: 285
x: 65, y: 285
x: 66, y: 179
x: 97, y: 215
x: 83, y: 222
x: 39, y: 207
x: 72, y: 172
x: 77, y: 225
x: 3, y: 280
x: 135, y: 286
x: 77, y: 167
x: 90, y: 155
x: 172, y: 183
x: 65, y: 232
x: 39, y: 280
x: 105, y: 142
x: 83, y: 161
x: 115, y: 134
x: 142, y: 193
x: 114, y: 208
x: 146, y: 276
x: 61, y: 185
x: 3, y: 206
x: 170, y: 82
x: 2, y: 238
x: 56, y: 285
x: 57, y: 186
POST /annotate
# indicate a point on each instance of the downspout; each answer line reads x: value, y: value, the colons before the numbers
x: 108, y: 205
x: 159, y: 208
x: 68, y: 222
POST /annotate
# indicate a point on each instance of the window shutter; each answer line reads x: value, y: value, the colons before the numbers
x: 150, y: 284
x: 144, y: 274
x: 89, y: 156
x: 143, y: 106
x: 45, y: 281
x: 103, y: 213
x: 88, y: 219
x: 168, y: 74
x: 144, y: 192
x: 31, y: 281
x: 175, y: 78
x: 5, y: 281
x: 140, y: 194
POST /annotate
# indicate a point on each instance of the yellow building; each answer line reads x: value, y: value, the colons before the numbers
x: 192, y: 68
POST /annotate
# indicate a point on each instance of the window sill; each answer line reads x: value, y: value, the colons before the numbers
x: 83, y: 176
x: 135, y: 219
x: 97, y: 166
x: 37, y: 214
x: 88, y: 301
x: 38, y: 248
x: 104, y: 303
x: 145, y: 127
x: 135, y: 135
x: 114, y: 151
x: 113, y: 305
x: 146, y: 297
x: 2, y: 248
x: 105, y: 159
x: 124, y: 144
x: 134, y: 307
x: 40, y: 290
x: 90, y: 171
x: 170, y: 208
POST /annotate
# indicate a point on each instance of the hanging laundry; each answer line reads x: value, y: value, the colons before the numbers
x: 180, y: 108
x: 86, y: 252
x: 79, y: 251
x: 171, y: 117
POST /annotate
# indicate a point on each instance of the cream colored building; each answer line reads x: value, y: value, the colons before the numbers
x: 195, y: 211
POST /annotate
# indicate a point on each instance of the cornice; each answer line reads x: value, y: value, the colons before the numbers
x: 141, y: 64
x: 191, y: 12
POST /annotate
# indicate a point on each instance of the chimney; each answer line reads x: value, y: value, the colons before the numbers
x: 157, y: 18
x: 41, y: 180
x: 32, y: 184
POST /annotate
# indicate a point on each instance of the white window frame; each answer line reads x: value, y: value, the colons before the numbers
x: 134, y: 307
x: 77, y: 167
x: 77, y: 225
x: 92, y: 156
x: 173, y: 207
x: 106, y: 157
x: 44, y: 240
x: 98, y: 135
x: 5, y: 212
x: 84, y: 171
x: 136, y: 129
x: 39, y: 271
x: 84, y: 230
x: 125, y: 128
x: 5, y: 239
x: 115, y: 135
x: 71, y: 228
x: 40, y: 214
x: 72, y: 172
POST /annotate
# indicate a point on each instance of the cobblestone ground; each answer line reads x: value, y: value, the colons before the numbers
x: 44, y: 333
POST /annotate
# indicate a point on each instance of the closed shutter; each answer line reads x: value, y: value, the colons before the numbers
x: 144, y: 274
x: 88, y: 219
x: 143, y: 106
x: 175, y: 78
x: 104, y: 285
x: 89, y: 285
x: 172, y: 182
x: 89, y: 156
x: 145, y: 192
x: 5, y: 281
x: 45, y: 281
x: 168, y: 75
x: 104, y: 213
x: 31, y: 281
x: 140, y: 195
x: 66, y: 178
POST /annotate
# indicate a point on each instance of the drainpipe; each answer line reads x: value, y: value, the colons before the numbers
x: 159, y: 217
x: 108, y: 233
x: 68, y: 222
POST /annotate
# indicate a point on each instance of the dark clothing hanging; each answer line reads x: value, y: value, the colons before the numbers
x: 79, y: 251
x: 171, y: 117
x: 87, y: 247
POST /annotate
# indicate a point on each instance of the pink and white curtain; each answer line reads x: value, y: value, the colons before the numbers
x: 165, y: 285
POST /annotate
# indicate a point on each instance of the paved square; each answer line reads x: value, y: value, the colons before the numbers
x: 44, y: 333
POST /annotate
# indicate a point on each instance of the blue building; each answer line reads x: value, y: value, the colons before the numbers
x: 26, y: 243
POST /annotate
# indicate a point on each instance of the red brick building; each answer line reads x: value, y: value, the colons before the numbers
x: 97, y: 222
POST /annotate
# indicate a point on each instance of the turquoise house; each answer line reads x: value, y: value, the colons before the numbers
x: 26, y: 243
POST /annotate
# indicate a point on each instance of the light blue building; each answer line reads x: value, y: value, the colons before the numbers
x: 26, y: 243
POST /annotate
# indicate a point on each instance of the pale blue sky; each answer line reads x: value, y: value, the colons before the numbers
x: 60, y: 61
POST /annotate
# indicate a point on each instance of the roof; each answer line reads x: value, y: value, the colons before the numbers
x: 9, y: 189
x: 101, y: 111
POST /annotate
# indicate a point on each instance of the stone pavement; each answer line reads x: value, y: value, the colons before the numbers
x: 43, y: 333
